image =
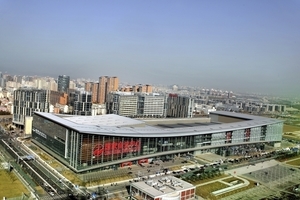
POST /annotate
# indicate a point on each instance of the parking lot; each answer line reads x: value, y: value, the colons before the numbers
x: 136, y: 171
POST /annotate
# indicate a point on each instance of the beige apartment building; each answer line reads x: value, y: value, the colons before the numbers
x: 93, y: 88
x: 94, y: 91
x: 106, y: 85
x: 100, y: 90
x: 137, y: 88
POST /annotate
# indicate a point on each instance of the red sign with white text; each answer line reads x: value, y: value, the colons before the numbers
x: 143, y: 161
x: 110, y: 148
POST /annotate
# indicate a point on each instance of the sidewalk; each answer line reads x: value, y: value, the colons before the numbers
x: 251, y: 168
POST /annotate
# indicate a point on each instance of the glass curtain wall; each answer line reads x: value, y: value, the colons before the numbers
x: 98, y: 149
x: 49, y: 134
x: 82, y: 150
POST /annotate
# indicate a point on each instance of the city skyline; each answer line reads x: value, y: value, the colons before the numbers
x: 242, y: 46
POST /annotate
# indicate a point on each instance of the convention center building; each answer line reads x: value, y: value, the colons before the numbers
x: 87, y: 143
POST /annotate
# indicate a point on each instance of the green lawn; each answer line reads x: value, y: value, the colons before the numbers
x: 290, y: 128
x: 10, y: 185
x: 294, y: 162
x: 206, y: 190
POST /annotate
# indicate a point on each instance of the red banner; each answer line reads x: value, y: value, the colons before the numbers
x: 110, y: 148
x: 143, y: 161
x: 126, y: 164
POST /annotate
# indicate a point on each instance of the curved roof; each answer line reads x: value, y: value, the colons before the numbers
x: 115, y: 125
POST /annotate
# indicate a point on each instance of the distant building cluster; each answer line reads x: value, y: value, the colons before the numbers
x: 64, y: 99
x: 101, y: 89
x: 93, y: 98
x: 236, y: 105
x: 23, y: 95
x: 99, y: 125
x: 150, y: 105
x: 63, y: 95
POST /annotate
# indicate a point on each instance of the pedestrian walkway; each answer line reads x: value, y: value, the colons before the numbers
x: 210, y: 157
x: 134, y: 171
x: 252, y: 168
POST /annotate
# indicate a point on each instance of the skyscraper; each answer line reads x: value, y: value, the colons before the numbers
x: 106, y: 85
x: 93, y: 88
x: 27, y: 101
x: 88, y: 86
x: 63, y: 83
x: 2, y: 80
x: 180, y: 106
x: 94, y: 91
x: 81, y: 103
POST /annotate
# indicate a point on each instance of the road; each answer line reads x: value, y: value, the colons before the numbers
x: 54, y: 186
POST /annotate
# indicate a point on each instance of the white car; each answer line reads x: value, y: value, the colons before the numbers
x: 51, y: 194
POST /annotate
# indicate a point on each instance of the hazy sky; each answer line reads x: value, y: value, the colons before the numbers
x: 236, y: 45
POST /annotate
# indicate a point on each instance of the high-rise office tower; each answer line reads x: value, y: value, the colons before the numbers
x: 72, y: 85
x: 106, y: 85
x: 2, y: 80
x: 121, y: 103
x: 102, y: 89
x: 81, y: 103
x: 131, y: 104
x: 88, y: 86
x: 19, y: 79
x: 180, y: 106
x: 28, y: 100
x: 52, y: 85
x: 63, y: 83
x: 94, y: 90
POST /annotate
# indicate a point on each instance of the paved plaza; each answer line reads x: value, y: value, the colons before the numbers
x: 252, y: 167
x: 256, y: 193
x: 134, y: 171
x: 273, y: 177
x: 210, y: 157
x: 271, y: 174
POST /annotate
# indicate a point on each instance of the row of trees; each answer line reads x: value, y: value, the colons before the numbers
x: 199, y: 174
x: 2, y: 112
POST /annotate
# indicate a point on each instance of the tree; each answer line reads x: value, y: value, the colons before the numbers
x: 4, y: 112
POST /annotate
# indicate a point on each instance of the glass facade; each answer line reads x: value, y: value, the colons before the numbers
x: 27, y: 101
x: 63, y: 83
x: 84, y: 151
x: 49, y: 134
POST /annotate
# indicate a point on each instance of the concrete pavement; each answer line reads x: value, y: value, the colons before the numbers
x: 251, y: 168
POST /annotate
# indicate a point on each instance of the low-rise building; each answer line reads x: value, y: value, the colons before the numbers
x: 162, y: 188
